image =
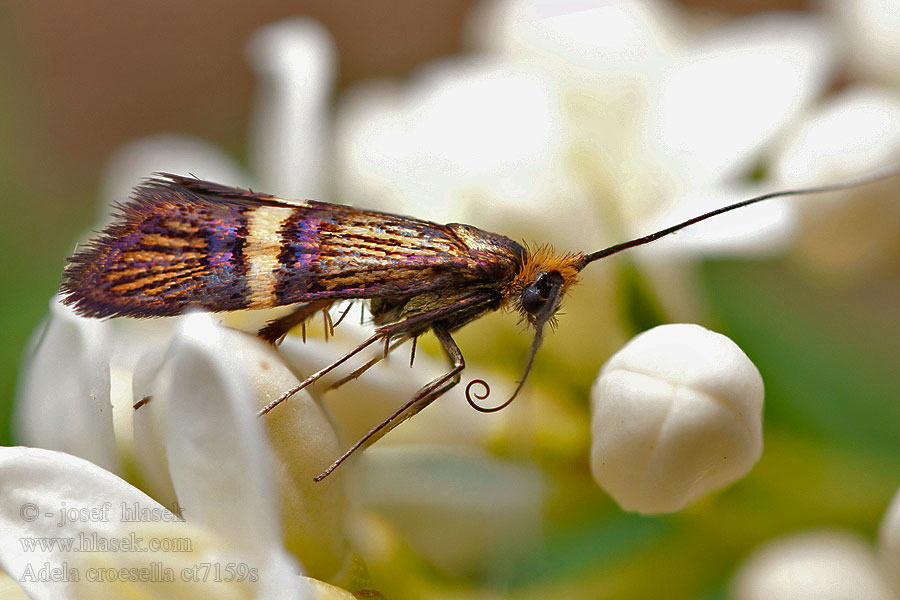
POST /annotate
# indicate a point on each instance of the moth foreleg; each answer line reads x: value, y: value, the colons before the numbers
x: 425, y: 396
x: 318, y: 374
x: 275, y: 330
x: 371, y: 363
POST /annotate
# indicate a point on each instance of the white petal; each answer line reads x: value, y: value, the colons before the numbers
x: 295, y: 62
x: 63, y: 400
x: 49, y: 494
x: 280, y: 577
x: 759, y: 230
x: 223, y: 466
x: 815, y: 565
x: 419, y: 143
x: 871, y: 29
x: 720, y: 102
x: 457, y: 508
x: 413, y: 151
x: 132, y: 340
x: 677, y: 413
x: 148, y: 425
x: 217, y: 454
x: 323, y: 591
x: 166, y: 153
x: 597, y: 40
x: 853, y: 134
x: 889, y: 543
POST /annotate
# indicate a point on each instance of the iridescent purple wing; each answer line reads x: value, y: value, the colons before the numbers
x: 182, y: 243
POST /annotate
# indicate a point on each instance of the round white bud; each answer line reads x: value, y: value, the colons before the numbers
x: 677, y: 413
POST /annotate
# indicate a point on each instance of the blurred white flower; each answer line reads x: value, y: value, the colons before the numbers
x: 107, y: 539
x: 470, y: 139
x: 63, y: 397
x: 676, y: 414
x: 459, y: 508
x: 658, y: 124
x: 854, y: 133
x: 815, y: 565
x: 845, y: 136
x: 607, y: 46
x: 295, y: 62
x: 889, y: 544
x: 869, y: 29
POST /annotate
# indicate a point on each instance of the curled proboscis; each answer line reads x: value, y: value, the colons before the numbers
x: 482, y: 396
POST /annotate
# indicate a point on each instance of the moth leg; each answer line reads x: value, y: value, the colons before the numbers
x: 343, y: 314
x: 475, y: 304
x: 318, y: 374
x: 371, y: 363
x: 425, y: 396
x: 275, y: 330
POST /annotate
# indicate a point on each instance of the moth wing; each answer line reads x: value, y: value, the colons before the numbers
x: 182, y: 243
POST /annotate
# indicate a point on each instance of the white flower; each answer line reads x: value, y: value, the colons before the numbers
x: 471, y: 140
x: 63, y: 400
x: 854, y: 133
x: 295, y: 61
x: 676, y: 414
x: 889, y: 543
x: 416, y: 477
x: 96, y: 536
x: 814, y: 565
x: 200, y: 364
x: 457, y: 507
x: 657, y: 125
x: 200, y: 389
x: 869, y: 29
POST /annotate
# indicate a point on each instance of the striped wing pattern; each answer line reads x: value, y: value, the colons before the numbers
x: 182, y: 243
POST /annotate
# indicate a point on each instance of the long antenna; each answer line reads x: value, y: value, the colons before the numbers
x: 835, y: 187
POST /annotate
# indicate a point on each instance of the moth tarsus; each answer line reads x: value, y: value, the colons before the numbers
x: 181, y: 243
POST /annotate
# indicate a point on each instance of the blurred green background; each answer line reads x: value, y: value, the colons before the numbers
x: 79, y: 79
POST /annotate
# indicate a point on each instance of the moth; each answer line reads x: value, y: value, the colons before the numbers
x: 181, y: 243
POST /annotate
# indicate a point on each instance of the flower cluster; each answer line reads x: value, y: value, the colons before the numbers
x: 578, y: 124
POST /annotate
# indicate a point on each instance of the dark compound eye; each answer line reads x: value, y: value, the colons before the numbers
x: 536, y: 294
x: 532, y: 301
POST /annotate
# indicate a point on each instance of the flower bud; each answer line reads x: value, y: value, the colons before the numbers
x: 677, y: 413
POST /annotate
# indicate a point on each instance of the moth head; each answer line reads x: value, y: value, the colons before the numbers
x: 541, y: 298
x: 541, y: 283
x: 536, y: 293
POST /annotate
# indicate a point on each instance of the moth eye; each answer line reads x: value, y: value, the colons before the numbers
x: 532, y: 300
x: 536, y: 293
